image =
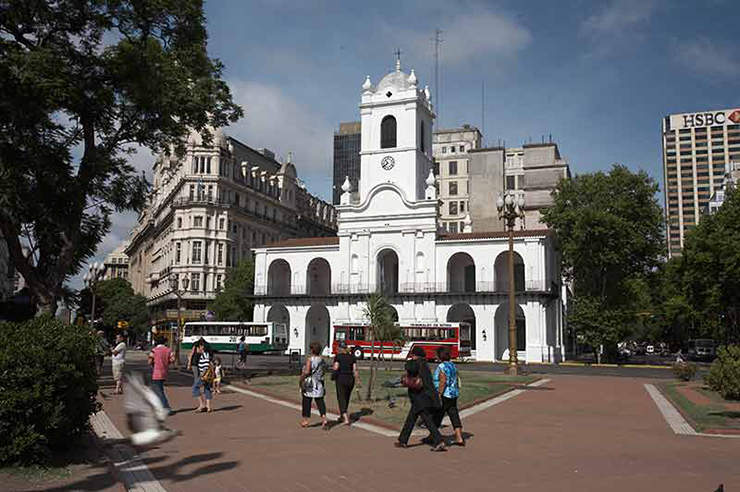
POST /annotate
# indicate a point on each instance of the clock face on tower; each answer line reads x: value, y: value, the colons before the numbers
x: 387, y: 163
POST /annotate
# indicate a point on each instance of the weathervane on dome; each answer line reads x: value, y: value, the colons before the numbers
x: 398, y: 59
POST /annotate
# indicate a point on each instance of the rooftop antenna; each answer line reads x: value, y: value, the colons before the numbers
x: 483, y: 110
x: 398, y: 59
x: 437, y: 41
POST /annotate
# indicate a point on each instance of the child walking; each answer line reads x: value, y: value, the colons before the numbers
x: 219, y: 373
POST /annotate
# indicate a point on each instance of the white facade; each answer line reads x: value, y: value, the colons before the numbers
x: 389, y: 241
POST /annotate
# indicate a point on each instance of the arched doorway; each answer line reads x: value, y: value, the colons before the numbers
x: 318, y: 277
x: 394, y: 314
x: 462, y: 312
x: 387, y: 277
x: 501, y: 320
x: 278, y: 278
x: 317, y: 326
x: 279, y: 315
x: 461, y: 273
x: 501, y: 272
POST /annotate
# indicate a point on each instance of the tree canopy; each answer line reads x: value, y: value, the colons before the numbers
x: 116, y: 301
x: 706, y: 277
x: 609, y: 229
x: 234, y: 301
x: 84, y: 81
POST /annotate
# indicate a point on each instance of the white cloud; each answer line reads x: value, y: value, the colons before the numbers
x: 617, y: 23
x: 279, y: 122
x: 476, y: 34
x: 713, y: 61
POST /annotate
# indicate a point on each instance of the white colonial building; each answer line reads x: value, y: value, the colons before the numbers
x: 390, y: 240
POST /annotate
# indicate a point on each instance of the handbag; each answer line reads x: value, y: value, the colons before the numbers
x: 210, y: 375
x: 414, y: 383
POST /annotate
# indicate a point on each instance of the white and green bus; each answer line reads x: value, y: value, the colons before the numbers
x: 223, y: 336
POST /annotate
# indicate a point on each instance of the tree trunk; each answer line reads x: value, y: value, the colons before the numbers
x: 46, y: 304
x: 371, y: 380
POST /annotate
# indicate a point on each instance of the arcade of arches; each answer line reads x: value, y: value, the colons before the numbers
x: 318, y: 277
x: 501, y: 272
x: 387, y: 278
x: 317, y: 326
x: 463, y: 313
x: 278, y: 278
x: 501, y: 321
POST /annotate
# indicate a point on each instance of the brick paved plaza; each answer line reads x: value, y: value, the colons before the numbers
x: 573, y: 433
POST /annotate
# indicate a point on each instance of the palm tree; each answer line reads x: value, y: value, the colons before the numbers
x: 378, y: 312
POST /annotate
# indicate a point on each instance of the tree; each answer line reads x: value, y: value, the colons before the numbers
x: 609, y: 229
x: 378, y: 312
x: 116, y: 301
x: 709, y: 271
x: 83, y: 82
x: 234, y: 302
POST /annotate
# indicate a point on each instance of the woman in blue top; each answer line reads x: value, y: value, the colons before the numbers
x: 446, y: 383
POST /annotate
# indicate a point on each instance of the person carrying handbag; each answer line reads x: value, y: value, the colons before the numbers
x: 447, y: 384
x: 311, y: 382
x: 205, y: 376
x: 424, y: 400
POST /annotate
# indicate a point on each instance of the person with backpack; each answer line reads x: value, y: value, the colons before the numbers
x: 312, y: 385
x: 447, y: 384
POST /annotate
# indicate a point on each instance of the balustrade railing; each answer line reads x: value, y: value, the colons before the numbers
x: 535, y: 285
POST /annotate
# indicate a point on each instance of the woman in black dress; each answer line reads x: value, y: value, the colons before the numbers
x: 345, y: 371
x: 424, y: 402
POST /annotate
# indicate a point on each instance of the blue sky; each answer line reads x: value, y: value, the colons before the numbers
x: 597, y: 75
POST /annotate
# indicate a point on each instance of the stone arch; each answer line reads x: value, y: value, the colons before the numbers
x: 460, y: 273
x: 394, y: 314
x: 279, y: 278
x: 279, y: 314
x: 388, y: 132
x: 462, y: 312
x: 501, y: 272
x: 318, y: 277
x: 387, y: 271
x: 318, y: 322
x: 501, y: 322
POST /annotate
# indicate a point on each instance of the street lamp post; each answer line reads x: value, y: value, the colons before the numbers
x: 175, y: 287
x: 91, y: 279
x: 511, y: 207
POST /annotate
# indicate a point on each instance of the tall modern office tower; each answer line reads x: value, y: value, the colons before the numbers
x: 696, y: 147
x: 346, y: 157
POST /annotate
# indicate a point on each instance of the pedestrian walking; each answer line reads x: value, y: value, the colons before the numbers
x: 424, y: 400
x: 118, y: 359
x: 241, y: 349
x: 346, y: 376
x: 447, y: 384
x: 312, y: 385
x: 102, y: 349
x: 160, y: 359
x: 202, y: 372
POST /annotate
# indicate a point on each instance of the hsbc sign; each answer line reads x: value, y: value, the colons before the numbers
x: 707, y: 118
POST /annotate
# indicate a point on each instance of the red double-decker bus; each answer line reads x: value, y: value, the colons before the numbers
x: 428, y: 336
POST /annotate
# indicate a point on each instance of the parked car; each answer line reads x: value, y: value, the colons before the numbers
x: 701, y: 349
x: 650, y: 349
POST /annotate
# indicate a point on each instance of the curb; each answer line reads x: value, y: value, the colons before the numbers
x: 620, y: 366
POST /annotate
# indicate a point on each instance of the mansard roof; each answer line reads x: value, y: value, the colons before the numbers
x: 305, y: 242
x: 461, y: 236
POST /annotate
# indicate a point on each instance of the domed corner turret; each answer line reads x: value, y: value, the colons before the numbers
x: 218, y: 138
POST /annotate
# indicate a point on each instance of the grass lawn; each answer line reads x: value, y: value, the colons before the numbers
x: 390, y: 405
x: 707, y: 411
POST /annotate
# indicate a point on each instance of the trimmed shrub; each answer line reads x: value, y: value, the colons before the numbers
x: 684, y: 371
x: 48, y: 388
x: 724, y: 375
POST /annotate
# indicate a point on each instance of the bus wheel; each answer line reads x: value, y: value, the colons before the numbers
x: 357, y: 352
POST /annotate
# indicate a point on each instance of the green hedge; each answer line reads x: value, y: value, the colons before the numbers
x: 724, y: 375
x: 48, y: 388
x: 684, y: 371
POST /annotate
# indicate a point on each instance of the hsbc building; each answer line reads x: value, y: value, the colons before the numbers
x: 696, y: 149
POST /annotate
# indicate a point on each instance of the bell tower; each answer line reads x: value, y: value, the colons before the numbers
x: 397, y: 120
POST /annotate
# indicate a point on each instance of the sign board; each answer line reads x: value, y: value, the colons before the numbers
x: 705, y: 118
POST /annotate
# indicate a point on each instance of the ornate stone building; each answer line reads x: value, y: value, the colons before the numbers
x: 390, y: 241
x: 207, y: 211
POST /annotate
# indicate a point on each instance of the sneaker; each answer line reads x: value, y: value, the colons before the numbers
x: 440, y: 447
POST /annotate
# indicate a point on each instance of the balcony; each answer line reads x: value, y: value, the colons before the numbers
x: 501, y: 287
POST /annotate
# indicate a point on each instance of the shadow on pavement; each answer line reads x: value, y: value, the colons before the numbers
x: 174, y: 472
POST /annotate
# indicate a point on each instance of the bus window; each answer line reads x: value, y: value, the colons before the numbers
x: 357, y: 333
x: 340, y: 334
